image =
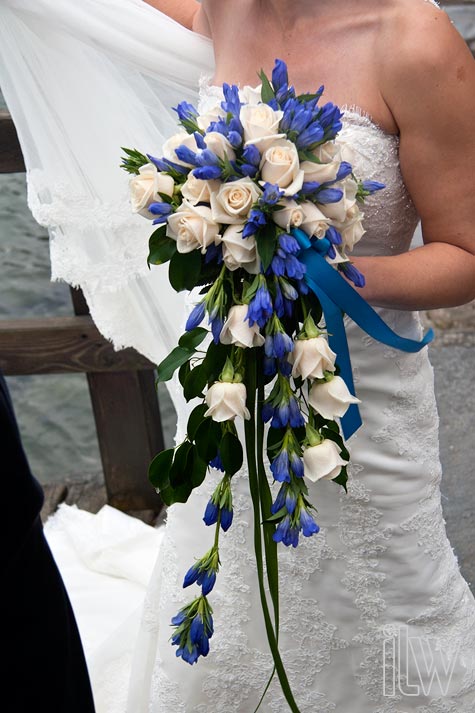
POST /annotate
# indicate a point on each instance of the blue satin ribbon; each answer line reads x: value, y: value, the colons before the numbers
x: 337, y: 297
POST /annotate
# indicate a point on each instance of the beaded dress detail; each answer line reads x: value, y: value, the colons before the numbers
x: 373, y: 604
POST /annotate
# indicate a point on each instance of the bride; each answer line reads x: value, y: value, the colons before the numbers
x: 375, y: 614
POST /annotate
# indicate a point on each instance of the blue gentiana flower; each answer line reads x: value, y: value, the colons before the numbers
x: 271, y: 195
x: 280, y: 467
x: 312, y: 135
x: 211, y: 513
x: 333, y: 235
x: 280, y: 77
x: 163, y: 164
x: 290, y: 501
x: 162, y: 210
x: 194, y: 628
x: 260, y: 308
x: 344, y: 170
x: 226, y: 518
x: 286, y: 533
x: 186, y: 112
x: 372, y: 186
x: 352, y: 274
x: 307, y: 523
x: 309, y: 187
x: 217, y: 463
x: 196, y: 317
x: 329, y: 195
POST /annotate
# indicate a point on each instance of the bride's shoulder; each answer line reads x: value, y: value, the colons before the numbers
x: 416, y: 33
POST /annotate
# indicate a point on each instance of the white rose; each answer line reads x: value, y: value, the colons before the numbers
x: 192, y: 227
x: 331, y: 399
x: 290, y: 216
x: 180, y: 139
x: 226, y: 401
x: 146, y: 188
x: 322, y: 461
x: 213, y: 112
x: 337, y: 211
x: 237, y: 331
x: 251, y: 95
x: 352, y: 229
x: 280, y: 165
x: 335, y: 151
x: 218, y: 144
x: 314, y: 222
x: 320, y: 172
x: 239, y: 251
x: 261, y: 124
x: 194, y: 190
x: 312, y: 357
x: 233, y: 201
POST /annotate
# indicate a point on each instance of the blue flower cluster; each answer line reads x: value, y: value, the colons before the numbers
x: 193, y: 629
x: 281, y: 407
x: 220, y: 505
x: 204, y: 571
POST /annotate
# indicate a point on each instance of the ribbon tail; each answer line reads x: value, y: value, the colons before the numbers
x: 351, y: 420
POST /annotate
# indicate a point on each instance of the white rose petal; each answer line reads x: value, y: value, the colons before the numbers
x: 280, y: 165
x: 194, y: 190
x: 311, y: 358
x: 239, y: 251
x: 332, y: 398
x: 320, y: 172
x: 146, y: 188
x: 193, y: 227
x: 337, y: 211
x: 226, y: 401
x: 233, y: 201
x: 180, y: 139
x: 314, y: 222
x: 351, y: 229
x: 218, y: 144
x: 322, y: 461
x: 290, y: 216
x: 259, y: 120
x: 237, y: 331
x: 251, y: 95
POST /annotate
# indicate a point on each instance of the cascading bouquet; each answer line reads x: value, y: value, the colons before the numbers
x: 246, y: 198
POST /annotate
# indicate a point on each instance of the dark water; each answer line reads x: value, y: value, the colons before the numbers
x: 54, y: 411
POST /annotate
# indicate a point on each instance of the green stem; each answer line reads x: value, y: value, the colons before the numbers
x: 250, y: 433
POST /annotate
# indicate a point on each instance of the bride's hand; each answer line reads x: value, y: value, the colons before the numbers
x: 188, y: 13
x: 429, y: 86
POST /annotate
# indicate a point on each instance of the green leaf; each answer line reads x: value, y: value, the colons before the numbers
x: 161, y: 248
x: 278, y: 515
x: 195, y: 419
x: 184, y: 270
x: 274, y: 440
x: 170, y: 364
x: 180, y: 470
x: 266, y: 239
x: 195, y: 383
x: 183, y: 372
x: 207, y: 438
x: 159, y: 469
x: 192, y: 339
x: 198, y: 471
x: 230, y: 450
x: 267, y: 92
x: 308, y: 156
x: 215, y: 359
x: 342, y: 478
x: 176, y: 495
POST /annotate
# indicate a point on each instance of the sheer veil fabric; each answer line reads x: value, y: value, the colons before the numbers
x: 81, y: 80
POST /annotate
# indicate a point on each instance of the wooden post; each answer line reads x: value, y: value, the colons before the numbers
x: 129, y: 429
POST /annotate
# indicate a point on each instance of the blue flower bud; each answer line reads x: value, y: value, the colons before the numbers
x: 296, y: 464
x: 186, y: 111
x: 196, y: 317
x: 207, y: 580
x: 191, y: 576
x: 187, y: 155
x: 307, y: 523
x: 251, y: 154
x: 373, y: 186
x: 344, y: 170
x: 290, y: 501
x: 226, y: 519
x: 280, y: 76
x: 280, y: 467
x: 333, y: 235
x: 211, y: 513
x: 329, y: 195
x: 309, y: 187
x: 352, y: 274
x: 207, y: 173
x: 283, y: 344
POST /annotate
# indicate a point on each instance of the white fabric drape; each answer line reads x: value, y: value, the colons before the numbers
x: 81, y: 80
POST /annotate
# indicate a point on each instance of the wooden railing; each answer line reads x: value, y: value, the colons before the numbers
x: 121, y: 383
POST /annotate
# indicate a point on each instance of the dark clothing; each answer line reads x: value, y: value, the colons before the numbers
x: 44, y: 668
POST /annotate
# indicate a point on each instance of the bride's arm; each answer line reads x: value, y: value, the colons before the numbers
x: 188, y: 13
x: 429, y: 85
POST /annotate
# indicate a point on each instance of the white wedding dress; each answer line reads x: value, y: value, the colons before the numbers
x: 375, y: 614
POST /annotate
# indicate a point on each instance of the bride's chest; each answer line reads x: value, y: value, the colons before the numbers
x: 338, y: 52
